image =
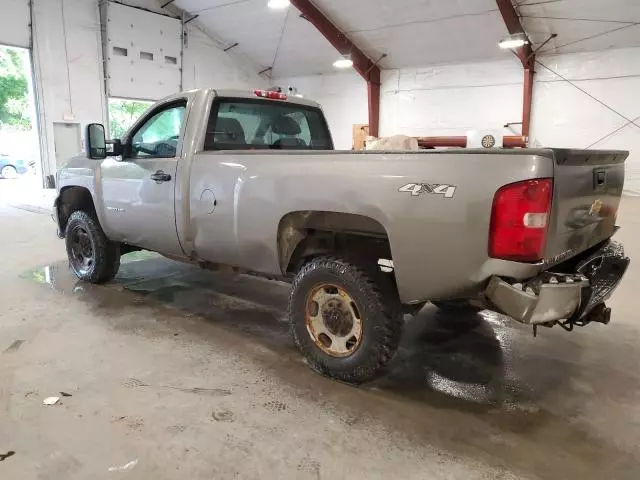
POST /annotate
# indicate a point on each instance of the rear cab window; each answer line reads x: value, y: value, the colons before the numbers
x: 260, y: 124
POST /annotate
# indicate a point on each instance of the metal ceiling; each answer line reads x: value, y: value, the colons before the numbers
x: 581, y: 25
x: 412, y: 32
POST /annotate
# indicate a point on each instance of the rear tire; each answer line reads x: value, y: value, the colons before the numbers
x: 342, y: 323
x: 92, y: 256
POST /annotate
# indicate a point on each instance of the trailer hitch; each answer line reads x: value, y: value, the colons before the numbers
x: 599, y: 314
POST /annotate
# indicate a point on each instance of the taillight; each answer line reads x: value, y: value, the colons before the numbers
x: 519, y: 220
x: 270, y: 94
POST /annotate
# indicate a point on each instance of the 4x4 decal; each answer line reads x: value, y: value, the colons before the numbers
x: 416, y: 189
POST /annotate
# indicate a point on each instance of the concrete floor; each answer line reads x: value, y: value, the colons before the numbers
x: 177, y: 373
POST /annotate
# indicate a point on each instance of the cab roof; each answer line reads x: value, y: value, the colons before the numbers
x: 252, y: 95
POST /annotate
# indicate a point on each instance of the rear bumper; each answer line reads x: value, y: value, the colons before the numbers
x: 562, y: 296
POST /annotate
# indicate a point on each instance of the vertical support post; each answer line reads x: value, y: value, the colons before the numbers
x: 373, y: 94
x: 527, y: 100
x: 526, y: 56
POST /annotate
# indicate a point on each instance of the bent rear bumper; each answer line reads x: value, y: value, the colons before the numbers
x: 561, y: 296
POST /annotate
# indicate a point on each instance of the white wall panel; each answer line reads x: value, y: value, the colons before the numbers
x: 452, y: 99
x: 563, y: 116
x: 207, y: 66
x: 343, y: 98
x: 146, y: 41
x: 68, y: 68
x: 14, y: 23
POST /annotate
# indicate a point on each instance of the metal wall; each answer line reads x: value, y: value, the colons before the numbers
x: 593, y: 110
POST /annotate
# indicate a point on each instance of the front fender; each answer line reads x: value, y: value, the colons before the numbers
x: 55, y: 215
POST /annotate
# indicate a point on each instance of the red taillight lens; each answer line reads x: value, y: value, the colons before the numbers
x: 519, y: 220
x: 270, y: 94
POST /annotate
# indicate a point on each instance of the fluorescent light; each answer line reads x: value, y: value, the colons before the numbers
x: 343, y: 62
x: 278, y: 4
x: 512, y: 42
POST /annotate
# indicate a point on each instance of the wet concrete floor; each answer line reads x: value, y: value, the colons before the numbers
x: 176, y: 372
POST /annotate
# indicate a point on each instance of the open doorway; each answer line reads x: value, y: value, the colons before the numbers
x: 19, y: 145
x: 123, y: 112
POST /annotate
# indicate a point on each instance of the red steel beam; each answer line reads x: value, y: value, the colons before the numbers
x: 461, y: 142
x: 514, y: 27
x: 362, y: 64
x: 526, y: 56
x: 373, y: 96
x: 527, y: 101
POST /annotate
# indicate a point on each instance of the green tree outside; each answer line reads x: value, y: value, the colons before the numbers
x: 14, y: 90
x: 122, y: 114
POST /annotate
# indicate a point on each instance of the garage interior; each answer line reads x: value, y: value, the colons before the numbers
x: 170, y: 371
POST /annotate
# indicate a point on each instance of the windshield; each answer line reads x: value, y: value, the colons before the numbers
x: 248, y: 124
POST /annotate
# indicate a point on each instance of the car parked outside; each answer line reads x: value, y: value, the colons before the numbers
x: 11, y: 167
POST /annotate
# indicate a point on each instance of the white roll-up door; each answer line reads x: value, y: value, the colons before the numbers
x: 14, y: 23
x: 143, y: 53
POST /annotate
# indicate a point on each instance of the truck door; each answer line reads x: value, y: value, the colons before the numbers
x: 139, y: 189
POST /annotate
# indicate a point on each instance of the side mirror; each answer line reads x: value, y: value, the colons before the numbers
x: 96, y: 145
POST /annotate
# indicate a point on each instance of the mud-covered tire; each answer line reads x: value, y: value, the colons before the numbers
x: 380, y: 316
x: 105, y: 254
x: 456, y: 306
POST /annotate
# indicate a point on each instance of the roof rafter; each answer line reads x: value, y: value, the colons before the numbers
x: 512, y: 22
x: 366, y: 68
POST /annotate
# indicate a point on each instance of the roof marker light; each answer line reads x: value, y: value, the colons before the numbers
x: 270, y: 94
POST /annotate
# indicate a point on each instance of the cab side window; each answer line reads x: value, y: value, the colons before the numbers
x: 159, y: 135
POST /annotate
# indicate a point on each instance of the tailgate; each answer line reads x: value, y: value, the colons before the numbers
x: 586, y: 195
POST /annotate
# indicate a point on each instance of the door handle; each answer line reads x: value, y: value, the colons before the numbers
x: 160, y: 177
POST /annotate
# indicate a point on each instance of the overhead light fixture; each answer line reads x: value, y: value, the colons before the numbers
x: 513, y: 41
x: 278, y: 4
x: 343, y: 62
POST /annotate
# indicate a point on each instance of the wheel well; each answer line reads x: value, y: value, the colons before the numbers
x: 72, y: 199
x: 305, y: 234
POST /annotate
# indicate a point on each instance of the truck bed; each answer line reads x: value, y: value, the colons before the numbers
x: 446, y: 235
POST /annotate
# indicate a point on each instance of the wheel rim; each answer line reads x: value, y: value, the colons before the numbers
x: 82, y: 253
x: 9, y: 172
x: 333, y: 320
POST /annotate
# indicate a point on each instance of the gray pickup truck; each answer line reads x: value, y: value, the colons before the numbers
x: 249, y: 181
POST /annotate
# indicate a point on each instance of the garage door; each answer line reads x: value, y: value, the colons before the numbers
x: 14, y: 23
x: 143, y: 53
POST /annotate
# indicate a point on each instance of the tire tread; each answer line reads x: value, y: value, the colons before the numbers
x: 388, y: 326
x: 107, y: 253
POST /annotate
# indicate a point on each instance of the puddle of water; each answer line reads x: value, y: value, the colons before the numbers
x: 59, y: 276
x: 459, y: 361
x: 248, y: 304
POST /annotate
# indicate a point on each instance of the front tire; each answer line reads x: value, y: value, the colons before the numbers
x: 341, y: 322
x: 92, y: 256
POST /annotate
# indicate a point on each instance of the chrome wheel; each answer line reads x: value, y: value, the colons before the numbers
x: 333, y: 320
x: 82, y: 253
